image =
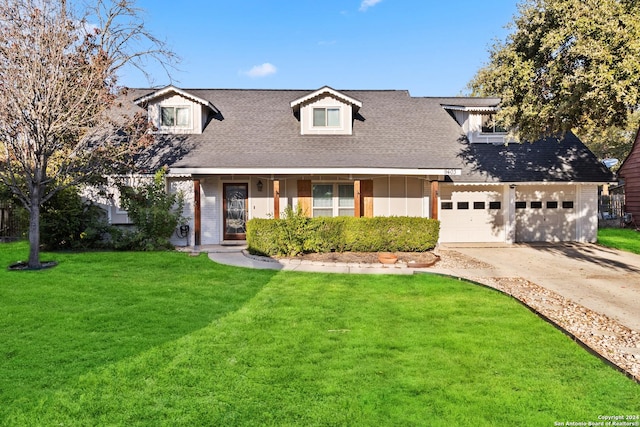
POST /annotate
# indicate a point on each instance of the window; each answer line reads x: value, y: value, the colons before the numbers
x: 521, y: 205
x: 175, y: 116
x: 478, y: 205
x: 326, y: 117
x: 446, y: 206
x: 463, y: 205
x: 333, y: 200
x: 552, y: 205
x: 536, y: 205
x: 567, y: 205
x: 495, y: 205
x: 489, y: 124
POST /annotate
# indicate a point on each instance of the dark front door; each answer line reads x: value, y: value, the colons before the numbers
x: 235, y: 211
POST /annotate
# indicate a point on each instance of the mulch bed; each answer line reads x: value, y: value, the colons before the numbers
x: 24, y: 266
x: 411, y: 259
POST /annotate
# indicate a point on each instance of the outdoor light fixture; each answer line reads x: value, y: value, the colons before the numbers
x: 259, y: 185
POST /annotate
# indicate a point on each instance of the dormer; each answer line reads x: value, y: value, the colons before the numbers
x: 477, y: 117
x: 175, y: 111
x: 326, y: 112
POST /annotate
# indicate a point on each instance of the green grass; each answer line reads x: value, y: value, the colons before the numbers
x: 620, y: 238
x: 167, y: 339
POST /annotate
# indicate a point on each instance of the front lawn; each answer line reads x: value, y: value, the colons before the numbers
x: 167, y: 339
x: 620, y: 238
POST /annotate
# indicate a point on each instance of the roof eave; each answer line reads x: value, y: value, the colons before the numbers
x: 169, y: 89
x: 326, y: 89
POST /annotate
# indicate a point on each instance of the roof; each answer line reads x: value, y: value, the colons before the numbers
x: 392, y: 130
x: 322, y: 91
x: 547, y: 160
x: 470, y: 104
x: 169, y: 90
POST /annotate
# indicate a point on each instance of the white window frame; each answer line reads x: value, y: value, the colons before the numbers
x: 326, y: 124
x: 335, y: 207
x: 495, y: 130
x: 175, y: 117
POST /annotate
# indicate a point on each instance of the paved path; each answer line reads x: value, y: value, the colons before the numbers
x: 604, y: 280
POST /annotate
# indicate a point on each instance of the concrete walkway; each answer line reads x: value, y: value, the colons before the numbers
x: 604, y: 280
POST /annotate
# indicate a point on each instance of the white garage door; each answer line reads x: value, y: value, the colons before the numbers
x: 545, y: 214
x: 471, y: 214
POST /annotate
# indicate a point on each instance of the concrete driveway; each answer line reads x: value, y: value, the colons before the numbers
x: 604, y: 280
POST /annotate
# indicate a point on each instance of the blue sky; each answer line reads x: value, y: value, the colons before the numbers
x: 431, y: 48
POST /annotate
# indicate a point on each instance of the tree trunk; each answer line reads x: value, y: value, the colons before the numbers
x: 34, y: 230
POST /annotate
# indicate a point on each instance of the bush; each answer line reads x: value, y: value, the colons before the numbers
x: 68, y: 222
x: 295, y: 234
x: 154, y: 213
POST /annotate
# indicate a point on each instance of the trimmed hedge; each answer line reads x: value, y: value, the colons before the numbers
x: 296, y: 234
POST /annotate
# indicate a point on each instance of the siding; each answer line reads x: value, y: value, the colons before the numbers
x: 630, y: 172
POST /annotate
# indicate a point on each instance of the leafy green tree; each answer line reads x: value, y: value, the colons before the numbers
x: 567, y: 65
x: 155, y: 213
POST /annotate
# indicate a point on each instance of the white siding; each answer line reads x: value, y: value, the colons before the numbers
x: 210, y: 211
x: 587, y: 213
x: 306, y: 117
x: 198, y: 116
x: 185, y: 186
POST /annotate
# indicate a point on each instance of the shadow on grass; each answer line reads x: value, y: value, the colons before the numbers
x: 96, y: 309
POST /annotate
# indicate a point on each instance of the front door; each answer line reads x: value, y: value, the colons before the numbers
x: 235, y: 211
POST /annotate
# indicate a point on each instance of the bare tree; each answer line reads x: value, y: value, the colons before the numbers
x: 58, y: 96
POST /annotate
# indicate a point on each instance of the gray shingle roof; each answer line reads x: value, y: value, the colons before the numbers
x: 257, y: 129
x: 548, y: 160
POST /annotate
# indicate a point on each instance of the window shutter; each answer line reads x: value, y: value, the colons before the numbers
x: 366, y: 198
x: 304, y: 196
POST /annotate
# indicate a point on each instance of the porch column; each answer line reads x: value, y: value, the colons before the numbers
x: 196, y: 212
x: 357, y: 198
x: 304, y: 196
x: 434, y: 199
x: 276, y: 199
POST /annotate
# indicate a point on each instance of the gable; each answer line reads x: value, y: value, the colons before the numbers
x: 175, y: 111
x: 326, y: 112
x: 476, y: 116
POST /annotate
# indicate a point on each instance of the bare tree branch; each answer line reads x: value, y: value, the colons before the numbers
x: 59, y: 123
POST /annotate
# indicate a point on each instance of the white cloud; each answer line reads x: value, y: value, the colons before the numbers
x: 366, y: 4
x: 263, y: 70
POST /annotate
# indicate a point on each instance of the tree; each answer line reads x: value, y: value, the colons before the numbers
x: 58, y: 103
x: 568, y: 65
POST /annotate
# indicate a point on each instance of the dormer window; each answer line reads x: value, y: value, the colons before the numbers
x: 175, y: 111
x: 326, y: 117
x: 175, y: 117
x: 326, y: 112
x: 489, y: 124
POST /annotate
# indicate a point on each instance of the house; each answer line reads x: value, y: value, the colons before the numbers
x: 630, y: 172
x: 241, y: 154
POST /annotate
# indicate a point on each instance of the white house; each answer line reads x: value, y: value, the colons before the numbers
x: 241, y: 154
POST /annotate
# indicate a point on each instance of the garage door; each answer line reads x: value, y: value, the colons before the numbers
x: 471, y: 214
x: 545, y: 214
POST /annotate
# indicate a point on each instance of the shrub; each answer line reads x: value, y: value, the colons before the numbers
x: 68, y: 222
x: 154, y: 213
x: 295, y: 234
